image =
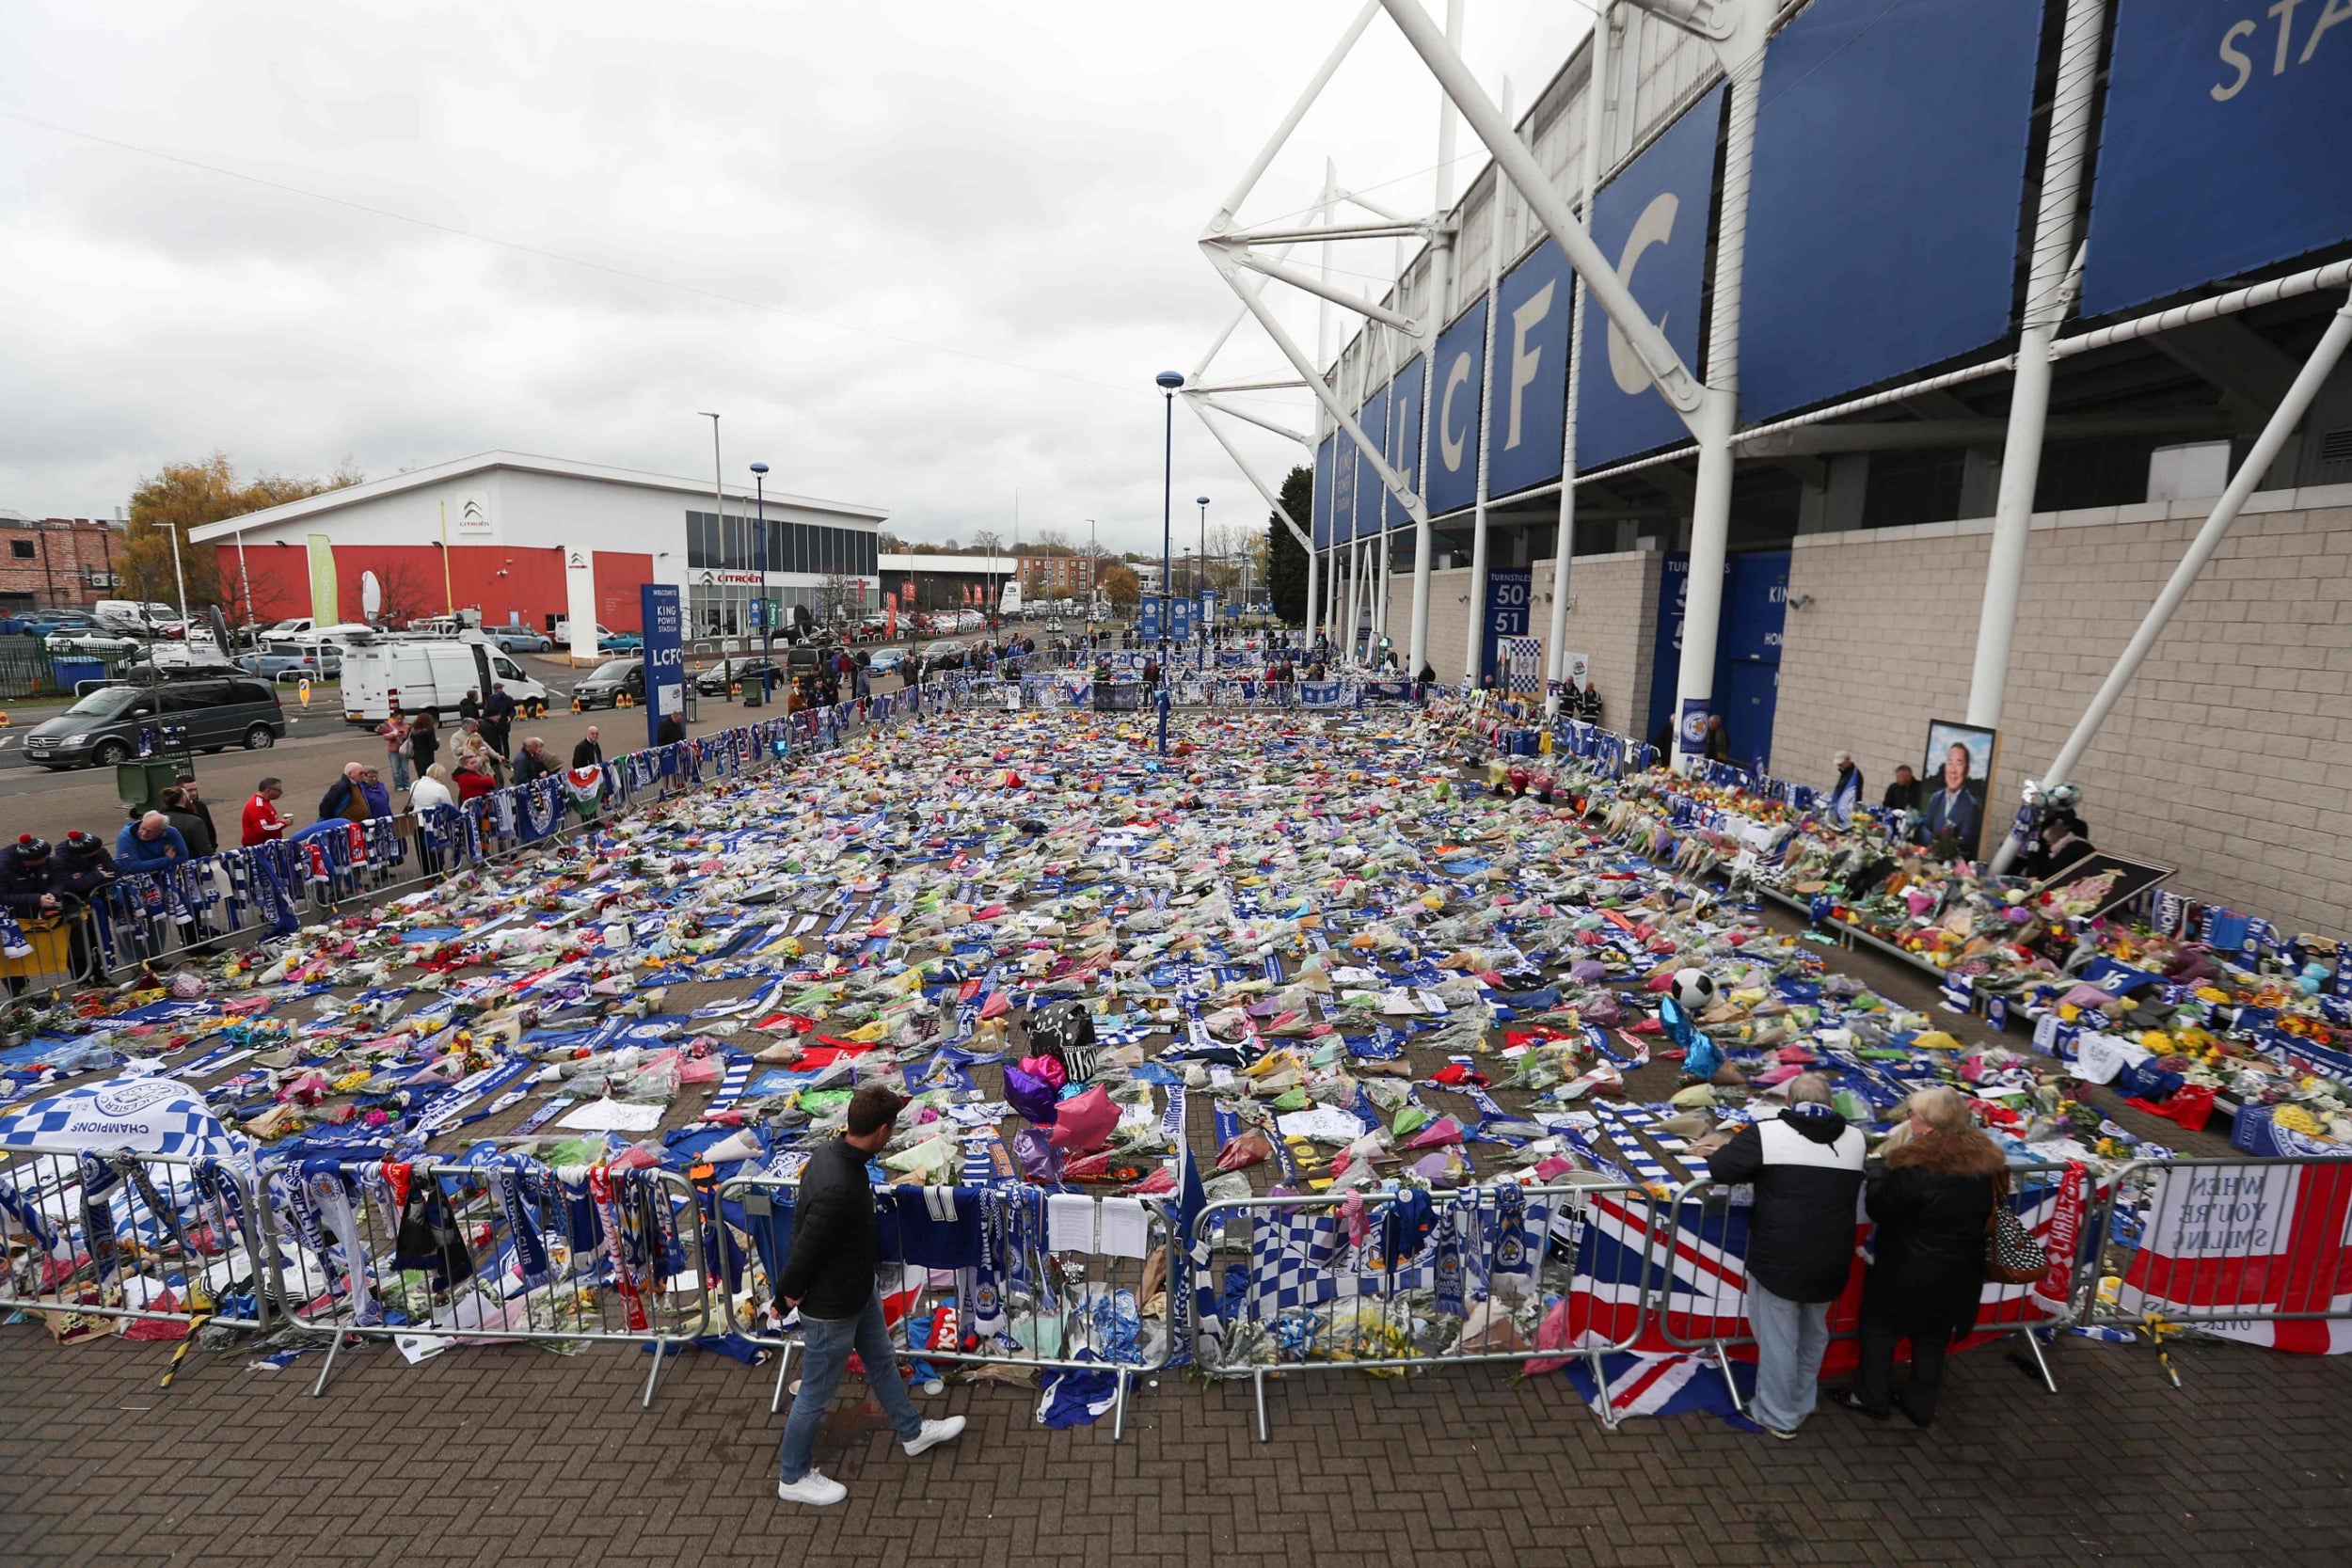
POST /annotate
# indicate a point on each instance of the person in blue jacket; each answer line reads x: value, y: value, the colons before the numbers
x: 149, y: 844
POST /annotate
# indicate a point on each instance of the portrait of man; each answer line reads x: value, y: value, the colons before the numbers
x: 1959, y: 767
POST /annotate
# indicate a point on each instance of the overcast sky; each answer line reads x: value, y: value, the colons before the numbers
x: 922, y: 255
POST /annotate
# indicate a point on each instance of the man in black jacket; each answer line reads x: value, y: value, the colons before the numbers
x: 829, y: 1276
x: 590, y: 752
x: 1806, y: 1166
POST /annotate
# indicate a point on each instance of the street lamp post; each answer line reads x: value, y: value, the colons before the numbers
x: 1168, y: 381
x: 767, y: 619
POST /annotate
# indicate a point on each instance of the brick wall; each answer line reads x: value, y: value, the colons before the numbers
x: 64, y: 551
x: 1613, y: 623
x: 2228, y: 755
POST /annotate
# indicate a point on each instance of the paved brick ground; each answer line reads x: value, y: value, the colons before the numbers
x: 513, y: 1456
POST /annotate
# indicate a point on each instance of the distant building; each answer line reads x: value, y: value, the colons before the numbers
x: 57, y: 563
x: 1058, y: 577
x: 532, y: 539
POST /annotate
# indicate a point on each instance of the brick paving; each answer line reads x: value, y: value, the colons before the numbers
x: 514, y: 1455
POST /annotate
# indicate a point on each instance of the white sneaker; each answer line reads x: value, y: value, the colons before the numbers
x: 935, y: 1434
x: 817, y: 1491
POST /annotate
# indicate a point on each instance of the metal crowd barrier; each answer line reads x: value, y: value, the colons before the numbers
x: 1698, y: 1284
x: 150, y: 917
x: 151, y: 1237
x: 434, y: 1252
x: 1038, y: 1308
x: 2252, y: 1248
x: 62, y: 953
x: 1328, y: 1285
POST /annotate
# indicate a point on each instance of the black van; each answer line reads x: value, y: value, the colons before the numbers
x: 230, y: 708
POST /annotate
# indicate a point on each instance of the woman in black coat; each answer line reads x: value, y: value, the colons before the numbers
x: 1931, y: 1206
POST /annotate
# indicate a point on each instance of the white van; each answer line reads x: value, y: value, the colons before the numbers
x: 413, y: 674
x: 131, y: 616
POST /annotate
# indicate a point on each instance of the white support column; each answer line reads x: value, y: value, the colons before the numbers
x: 1563, y: 541
x: 1437, y: 305
x: 1223, y: 220
x: 1477, y: 637
x: 1711, y: 505
x: 2283, y: 423
x: 1316, y: 617
x: 2047, y: 299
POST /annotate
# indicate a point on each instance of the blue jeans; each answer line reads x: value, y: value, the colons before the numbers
x: 399, y: 770
x: 1790, y: 1338
x: 825, y: 1357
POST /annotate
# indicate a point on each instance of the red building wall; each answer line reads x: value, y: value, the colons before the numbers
x: 619, y: 576
x: 492, y: 578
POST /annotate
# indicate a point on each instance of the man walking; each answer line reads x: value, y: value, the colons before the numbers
x: 1806, y: 1166
x: 830, y: 1277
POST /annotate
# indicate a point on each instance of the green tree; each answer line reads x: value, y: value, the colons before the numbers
x: 185, y: 496
x: 1286, y: 564
x: 1123, y: 588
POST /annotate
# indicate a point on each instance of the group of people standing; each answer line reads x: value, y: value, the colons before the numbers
x: 1930, y: 1188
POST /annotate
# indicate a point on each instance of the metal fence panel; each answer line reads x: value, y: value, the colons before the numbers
x: 1065, y: 1281
x: 1392, y: 1283
x: 432, y: 1253
x: 149, y: 1237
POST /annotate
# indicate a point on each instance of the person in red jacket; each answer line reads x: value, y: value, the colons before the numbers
x: 262, y: 820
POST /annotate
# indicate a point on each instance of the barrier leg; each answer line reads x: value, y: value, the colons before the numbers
x: 783, y: 1364
x: 653, y: 1375
x: 1723, y: 1364
x: 1600, y: 1384
x: 327, y: 1371
x: 1257, y: 1383
x: 2041, y: 1362
x: 1118, y: 1408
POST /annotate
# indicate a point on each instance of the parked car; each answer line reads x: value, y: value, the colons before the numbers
x: 410, y: 675
x: 944, y: 654
x: 715, y: 681
x: 91, y: 645
x: 107, y: 726
x: 618, y: 641
x: 609, y: 682
x: 520, y: 640
x: 1055, y: 629
x: 886, y: 659
x: 282, y: 660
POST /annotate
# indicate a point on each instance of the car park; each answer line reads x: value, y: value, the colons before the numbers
x: 112, y: 724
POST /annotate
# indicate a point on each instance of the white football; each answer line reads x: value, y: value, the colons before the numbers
x: 1694, y: 989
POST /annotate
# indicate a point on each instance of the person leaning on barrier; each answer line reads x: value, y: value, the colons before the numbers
x: 1931, y: 1204
x: 829, y: 1276
x: 28, y: 877
x: 1805, y: 1165
x: 533, y: 762
x: 149, y: 844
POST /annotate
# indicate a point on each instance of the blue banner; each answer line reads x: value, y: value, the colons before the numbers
x: 1453, y: 420
x: 1530, y: 381
x: 1652, y: 222
x: 1371, y: 494
x: 1322, y: 529
x: 2221, y: 150
x: 1507, y: 613
x: 1342, y: 488
x: 1404, y: 439
x: 665, y: 655
x: 1890, y: 159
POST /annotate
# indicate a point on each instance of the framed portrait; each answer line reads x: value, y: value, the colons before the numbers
x: 1957, y: 770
